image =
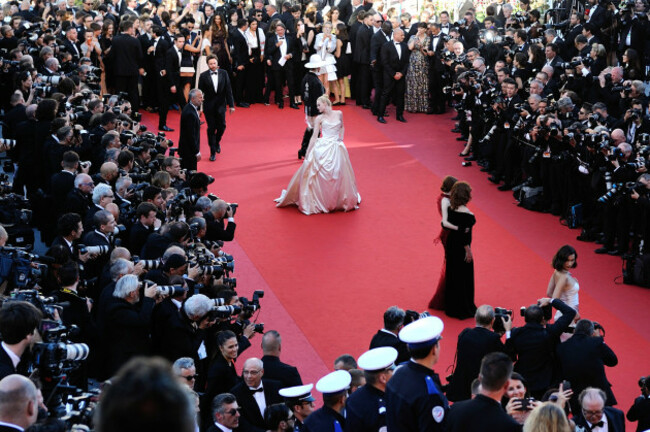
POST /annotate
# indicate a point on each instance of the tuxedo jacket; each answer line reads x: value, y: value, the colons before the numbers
x: 239, y: 49
x: 189, y: 138
x: 126, y: 54
x: 286, y: 374
x: 381, y: 339
x: 391, y: 63
x: 251, y: 417
x: 615, y: 420
x: 377, y: 41
x: 160, y: 54
x: 61, y: 184
x: 273, y: 53
x: 480, y: 414
x: 70, y: 48
x: 361, y: 50
x: 6, y: 365
x: 216, y: 101
x: 4, y: 428
x: 173, y: 68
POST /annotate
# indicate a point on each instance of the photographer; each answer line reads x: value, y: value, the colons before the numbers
x: 19, y: 321
x: 217, y: 229
x: 101, y: 236
x: 147, y: 223
x: 640, y: 409
x: 77, y: 309
x: 532, y: 346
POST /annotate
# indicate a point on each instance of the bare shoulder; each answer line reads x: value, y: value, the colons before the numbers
x: 340, y: 114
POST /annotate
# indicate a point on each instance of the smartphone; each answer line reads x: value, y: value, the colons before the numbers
x: 566, y: 385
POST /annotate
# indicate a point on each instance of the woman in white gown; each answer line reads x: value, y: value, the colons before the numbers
x: 563, y: 285
x: 325, y: 181
x: 202, y: 64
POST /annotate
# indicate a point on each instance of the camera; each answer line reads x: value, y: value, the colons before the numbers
x: 8, y: 143
x: 499, y: 313
x: 526, y: 404
x: 96, y: 250
x: 147, y: 264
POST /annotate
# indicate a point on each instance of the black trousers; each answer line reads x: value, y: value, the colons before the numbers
x: 216, y: 126
x: 239, y: 82
x: 280, y: 76
x: 394, y: 89
x: 378, y: 83
x: 167, y: 98
x: 365, y: 80
x: 129, y: 84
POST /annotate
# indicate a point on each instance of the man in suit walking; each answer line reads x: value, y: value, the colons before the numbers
x: 594, y: 416
x: 215, y: 85
x: 395, y: 62
x: 189, y: 141
x: 254, y: 394
x: 127, y: 53
x: 160, y: 47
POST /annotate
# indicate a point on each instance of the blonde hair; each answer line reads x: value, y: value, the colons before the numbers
x: 325, y: 99
x: 547, y: 417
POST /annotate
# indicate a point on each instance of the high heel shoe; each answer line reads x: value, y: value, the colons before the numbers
x: 461, y: 154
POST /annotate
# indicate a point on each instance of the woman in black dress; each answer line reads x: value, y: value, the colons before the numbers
x: 343, y: 56
x: 459, y: 270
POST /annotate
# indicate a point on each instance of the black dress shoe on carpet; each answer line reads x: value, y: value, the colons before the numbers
x: 366, y: 107
x: 461, y: 154
x: 603, y: 250
x: 400, y: 119
x: 461, y: 138
x: 381, y: 120
x: 471, y: 158
x: 213, y: 157
x: 218, y: 148
x: 505, y: 187
x: 485, y: 169
x: 456, y: 130
x: 293, y: 105
x: 615, y: 252
x: 456, y: 118
x: 166, y: 129
x: 494, y: 179
x: 281, y: 105
x: 243, y: 105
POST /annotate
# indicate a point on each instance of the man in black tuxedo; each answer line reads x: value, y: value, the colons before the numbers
x: 19, y: 321
x: 594, y: 416
x: 583, y: 358
x: 361, y: 58
x: 533, y: 345
x: 70, y: 230
x: 189, y: 140
x: 387, y: 336
x: 279, y: 52
x: 172, y: 79
x: 484, y: 412
x: 473, y: 345
x: 71, y: 43
x: 79, y: 199
x: 19, y: 405
x: 225, y: 413
x: 378, y: 40
x: 146, y: 214
x: 239, y: 53
x: 160, y: 47
x: 274, y: 369
x: 215, y: 85
x: 104, y: 223
x: 62, y: 182
x: 126, y: 54
x: 254, y: 394
x: 395, y: 62
x: 436, y: 69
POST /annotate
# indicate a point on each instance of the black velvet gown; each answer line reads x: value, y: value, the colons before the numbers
x: 459, y: 287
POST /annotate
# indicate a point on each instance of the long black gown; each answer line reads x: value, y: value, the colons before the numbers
x: 459, y: 288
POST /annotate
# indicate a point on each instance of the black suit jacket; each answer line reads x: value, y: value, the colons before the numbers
x: 381, y: 339
x: 473, y: 344
x: 126, y: 52
x: 615, y: 420
x: 8, y: 429
x: 533, y: 348
x: 391, y: 63
x: 189, y: 141
x: 361, y: 51
x: 173, y: 69
x: 480, y: 414
x: 286, y: 374
x: 173, y: 335
x: 216, y: 101
x: 582, y: 362
x: 216, y: 229
x: 6, y: 365
x: 160, y: 54
x: 70, y: 48
x: 273, y: 53
x: 377, y: 41
x: 61, y: 184
x: 251, y: 417
x: 238, y: 49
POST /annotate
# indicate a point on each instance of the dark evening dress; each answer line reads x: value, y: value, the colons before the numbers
x: 438, y: 300
x: 459, y: 287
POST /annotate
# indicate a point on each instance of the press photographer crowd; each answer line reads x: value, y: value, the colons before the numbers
x: 131, y: 319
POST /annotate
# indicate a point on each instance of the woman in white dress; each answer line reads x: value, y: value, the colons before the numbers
x: 325, y: 45
x: 202, y: 64
x: 325, y: 181
x: 563, y: 285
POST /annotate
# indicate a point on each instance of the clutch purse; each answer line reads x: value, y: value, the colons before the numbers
x: 187, y: 71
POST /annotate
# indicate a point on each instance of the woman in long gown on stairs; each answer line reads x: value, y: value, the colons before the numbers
x: 325, y: 181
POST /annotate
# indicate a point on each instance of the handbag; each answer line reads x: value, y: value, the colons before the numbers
x: 187, y: 71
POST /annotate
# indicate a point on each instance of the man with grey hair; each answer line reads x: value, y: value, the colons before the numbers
x: 102, y: 235
x: 225, y: 413
x: 79, y: 199
x: 255, y: 393
x: 473, y: 345
x: 274, y: 368
x: 102, y: 196
x: 189, y: 141
x: 214, y: 219
x: 185, y: 370
x: 595, y: 416
x: 387, y: 336
x: 18, y: 403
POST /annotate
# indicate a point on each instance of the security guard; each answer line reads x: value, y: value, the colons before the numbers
x: 329, y: 418
x: 414, y: 399
x: 366, y: 407
x: 300, y: 402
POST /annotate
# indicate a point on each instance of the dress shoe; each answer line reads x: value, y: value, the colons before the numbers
x: 166, y: 129
x: 293, y: 105
x: 461, y: 154
x: 461, y: 138
x: 381, y: 120
x: 243, y: 105
x: 485, y: 169
x: 281, y: 105
x: 456, y: 130
x: 494, y: 179
x: 213, y: 157
x: 471, y: 158
x: 366, y: 107
x: 603, y: 250
x: 615, y: 252
x: 400, y: 119
x: 505, y: 187
x: 586, y: 236
x: 456, y: 118
x: 218, y: 148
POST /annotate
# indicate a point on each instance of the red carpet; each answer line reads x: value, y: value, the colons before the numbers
x: 329, y: 278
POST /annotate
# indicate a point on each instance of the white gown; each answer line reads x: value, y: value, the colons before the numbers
x: 325, y: 181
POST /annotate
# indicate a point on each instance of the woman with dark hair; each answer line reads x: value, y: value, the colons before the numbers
x: 299, y: 66
x: 438, y: 300
x: 24, y: 84
x: 220, y: 43
x: 536, y: 59
x: 515, y: 398
x: 105, y: 43
x: 563, y: 285
x: 631, y: 65
x: 255, y: 40
x: 343, y: 56
x: 459, y: 268
x: 222, y: 375
x: 520, y: 71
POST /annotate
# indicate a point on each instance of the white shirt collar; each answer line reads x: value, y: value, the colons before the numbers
x: 387, y: 331
x: 11, y: 425
x: 222, y: 427
x: 177, y: 304
x: 12, y: 355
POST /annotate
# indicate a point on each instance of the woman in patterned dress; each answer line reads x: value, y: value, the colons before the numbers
x: 417, y: 76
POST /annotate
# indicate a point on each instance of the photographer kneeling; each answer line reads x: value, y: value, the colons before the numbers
x: 533, y: 345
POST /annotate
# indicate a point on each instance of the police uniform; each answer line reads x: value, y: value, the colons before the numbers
x: 325, y: 419
x: 414, y: 398
x: 296, y: 395
x: 366, y: 407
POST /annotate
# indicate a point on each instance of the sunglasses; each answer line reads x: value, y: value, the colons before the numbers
x: 233, y: 411
x: 191, y: 377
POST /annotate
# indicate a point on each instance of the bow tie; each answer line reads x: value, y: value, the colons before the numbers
x: 214, y: 73
x: 261, y: 389
x: 598, y: 424
x: 280, y: 38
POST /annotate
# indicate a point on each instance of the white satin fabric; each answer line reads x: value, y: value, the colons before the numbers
x: 325, y: 181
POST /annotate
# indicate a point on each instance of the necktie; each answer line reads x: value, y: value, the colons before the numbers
x: 261, y: 389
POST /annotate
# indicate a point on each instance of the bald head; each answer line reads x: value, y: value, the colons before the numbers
x: 18, y: 401
x: 618, y: 136
x: 109, y: 170
x: 272, y: 343
x: 398, y: 35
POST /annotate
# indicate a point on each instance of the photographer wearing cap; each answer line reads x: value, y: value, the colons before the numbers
x: 18, y: 324
x: 533, y: 345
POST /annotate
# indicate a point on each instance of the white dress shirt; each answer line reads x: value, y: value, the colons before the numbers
x: 12, y: 355
x: 398, y: 47
x: 259, y: 398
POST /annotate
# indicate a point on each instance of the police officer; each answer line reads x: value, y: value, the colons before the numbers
x: 414, y: 399
x: 300, y: 402
x: 366, y: 407
x: 334, y: 387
